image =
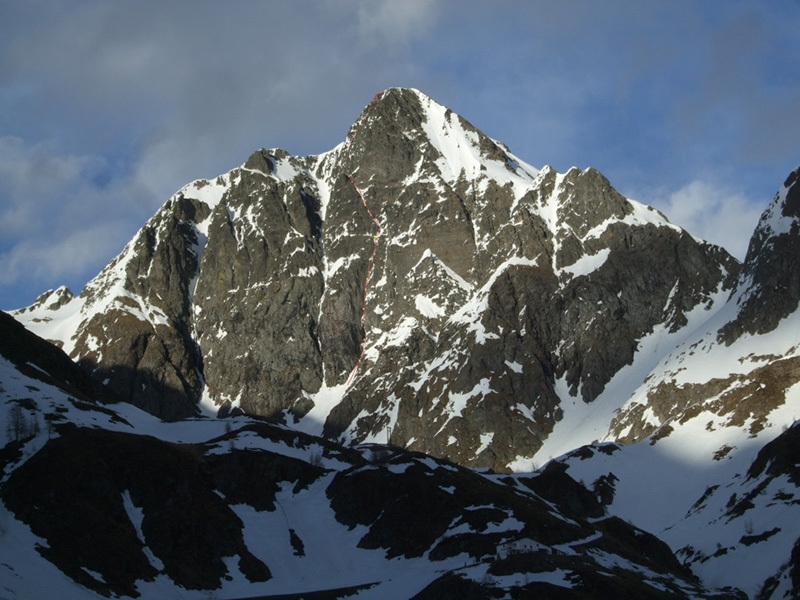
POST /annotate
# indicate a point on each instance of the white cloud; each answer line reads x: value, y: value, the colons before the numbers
x: 61, y: 258
x: 62, y: 217
x: 395, y: 22
x: 36, y: 180
x: 714, y: 213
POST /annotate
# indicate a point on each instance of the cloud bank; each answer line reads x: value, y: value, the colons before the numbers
x: 107, y: 108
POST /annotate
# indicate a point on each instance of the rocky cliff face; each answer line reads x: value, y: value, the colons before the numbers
x: 109, y: 501
x: 418, y: 284
x: 713, y: 428
x: 769, y: 284
x: 742, y: 362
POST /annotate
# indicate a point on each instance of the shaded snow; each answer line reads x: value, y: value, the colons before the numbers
x: 427, y: 307
x: 583, y: 423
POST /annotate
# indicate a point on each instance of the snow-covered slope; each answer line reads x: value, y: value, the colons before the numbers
x: 711, y: 464
x: 106, y: 500
x: 418, y: 283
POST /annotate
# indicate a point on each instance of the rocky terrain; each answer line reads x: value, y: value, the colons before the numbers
x: 713, y: 431
x: 490, y: 378
x: 498, y: 291
x: 108, y: 501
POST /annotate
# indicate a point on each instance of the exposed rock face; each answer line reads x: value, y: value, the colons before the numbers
x: 497, y: 291
x: 769, y: 285
x: 721, y: 410
x: 120, y: 505
x: 717, y: 369
x: 74, y: 490
x: 258, y: 289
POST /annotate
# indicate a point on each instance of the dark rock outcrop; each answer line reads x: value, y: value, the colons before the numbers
x: 42, y: 360
x: 768, y: 288
x: 71, y: 495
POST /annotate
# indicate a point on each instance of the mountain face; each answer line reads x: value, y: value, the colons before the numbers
x: 418, y: 284
x: 769, y: 284
x: 422, y: 286
x: 711, y: 437
x: 743, y: 361
x: 110, y: 501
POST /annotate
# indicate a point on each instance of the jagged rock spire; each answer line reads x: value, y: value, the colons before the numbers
x: 768, y: 289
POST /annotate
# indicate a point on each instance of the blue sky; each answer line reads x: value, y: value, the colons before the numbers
x: 107, y: 108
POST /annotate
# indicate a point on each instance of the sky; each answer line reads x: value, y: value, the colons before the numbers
x: 108, y: 108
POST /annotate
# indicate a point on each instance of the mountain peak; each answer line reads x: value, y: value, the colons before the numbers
x: 768, y: 288
x: 440, y: 252
x: 400, y: 107
x: 780, y: 218
x: 51, y: 299
x: 398, y: 99
x: 442, y: 297
x: 403, y: 134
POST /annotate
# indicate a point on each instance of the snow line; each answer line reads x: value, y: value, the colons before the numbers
x: 374, y: 237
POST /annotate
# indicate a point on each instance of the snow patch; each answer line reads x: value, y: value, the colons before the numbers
x: 325, y: 400
x: 486, y: 439
x: 588, y: 263
x: 427, y: 307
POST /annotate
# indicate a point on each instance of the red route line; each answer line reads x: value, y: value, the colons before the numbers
x: 374, y: 238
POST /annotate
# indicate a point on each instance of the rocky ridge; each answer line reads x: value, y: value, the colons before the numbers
x: 111, y: 501
x: 500, y: 292
x: 711, y: 437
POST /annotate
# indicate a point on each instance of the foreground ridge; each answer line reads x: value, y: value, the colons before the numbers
x: 110, y: 501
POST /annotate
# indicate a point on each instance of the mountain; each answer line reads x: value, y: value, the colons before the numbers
x: 110, y: 501
x: 711, y: 438
x: 429, y: 362
x: 418, y: 284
